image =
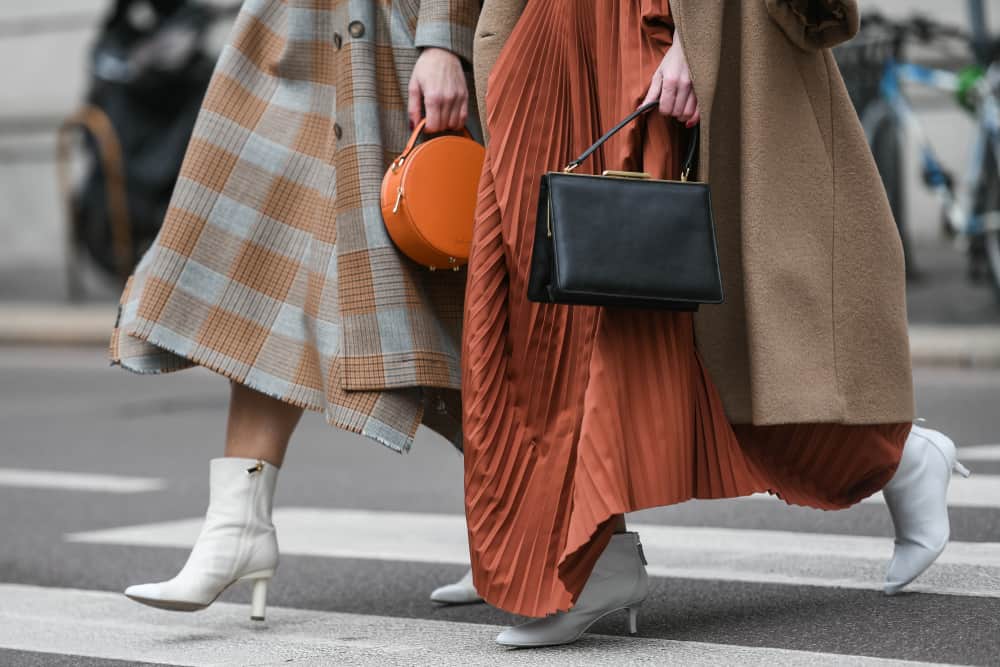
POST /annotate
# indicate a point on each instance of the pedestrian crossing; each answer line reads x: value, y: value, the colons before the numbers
x: 106, y: 625
x: 103, y: 625
x: 722, y: 554
x: 975, y: 453
x: 979, y: 490
x: 72, y: 481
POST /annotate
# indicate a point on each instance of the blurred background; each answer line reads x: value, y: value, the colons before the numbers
x: 64, y: 245
x: 145, y: 65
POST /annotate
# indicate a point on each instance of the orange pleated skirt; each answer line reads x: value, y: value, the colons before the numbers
x: 575, y: 414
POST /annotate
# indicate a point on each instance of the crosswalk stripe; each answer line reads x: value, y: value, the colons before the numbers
x: 758, y: 556
x: 979, y: 453
x: 72, y: 481
x: 980, y: 490
x: 107, y: 626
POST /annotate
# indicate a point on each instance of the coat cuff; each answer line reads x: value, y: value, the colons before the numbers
x: 816, y: 24
x: 448, y: 24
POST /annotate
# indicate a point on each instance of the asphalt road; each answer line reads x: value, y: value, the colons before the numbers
x: 759, y: 603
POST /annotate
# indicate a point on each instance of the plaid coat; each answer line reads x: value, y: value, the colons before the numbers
x: 273, y: 266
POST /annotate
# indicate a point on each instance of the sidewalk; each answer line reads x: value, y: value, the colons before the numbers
x: 966, y: 346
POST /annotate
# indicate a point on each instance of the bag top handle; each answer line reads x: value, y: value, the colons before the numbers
x: 688, y: 161
x: 417, y: 131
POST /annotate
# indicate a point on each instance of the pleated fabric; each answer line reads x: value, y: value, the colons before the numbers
x: 573, y: 415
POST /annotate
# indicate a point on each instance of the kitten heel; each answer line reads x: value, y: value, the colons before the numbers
x: 633, y: 620
x: 258, y: 603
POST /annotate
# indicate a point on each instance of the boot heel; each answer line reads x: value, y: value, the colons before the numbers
x: 961, y: 469
x: 259, y: 600
x: 633, y: 620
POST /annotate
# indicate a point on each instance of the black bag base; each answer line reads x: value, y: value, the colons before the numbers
x: 563, y: 297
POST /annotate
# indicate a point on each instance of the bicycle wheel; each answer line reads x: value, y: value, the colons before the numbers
x: 988, y: 208
x: 885, y: 137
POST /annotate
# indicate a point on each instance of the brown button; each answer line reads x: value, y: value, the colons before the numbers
x: 337, y: 41
x: 357, y: 29
x: 337, y: 131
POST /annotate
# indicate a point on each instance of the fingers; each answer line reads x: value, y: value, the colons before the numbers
x: 463, y: 112
x: 680, y: 101
x: 434, y: 108
x: 673, y: 88
x: 459, y: 110
x: 450, y: 117
x: 438, y: 91
x: 414, y: 102
x: 448, y: 110
x: 689, y: 109
x: 668, y: 95
x: 684, y: 93
x: 654, y: 88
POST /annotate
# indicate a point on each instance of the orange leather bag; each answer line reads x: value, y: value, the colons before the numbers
x: 429, y: 198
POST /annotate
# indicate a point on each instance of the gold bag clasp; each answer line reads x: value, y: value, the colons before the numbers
x: 638, y: 175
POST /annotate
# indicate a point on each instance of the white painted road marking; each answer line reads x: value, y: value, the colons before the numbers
x: 108, y: 626
x: 976, y: 491
x: 756, y: 556
x: 72, y: 481
x: 979, y: 453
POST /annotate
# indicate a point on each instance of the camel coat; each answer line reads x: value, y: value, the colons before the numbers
x: 814, y: 325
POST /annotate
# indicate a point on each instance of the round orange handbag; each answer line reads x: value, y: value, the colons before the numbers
x: 429, y: 198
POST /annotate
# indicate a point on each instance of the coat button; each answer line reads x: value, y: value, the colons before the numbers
x: 337, y: 132
x: 357, y: 29
x: 337, y: 41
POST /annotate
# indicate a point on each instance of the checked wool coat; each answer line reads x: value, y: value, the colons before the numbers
x: 273, y: 266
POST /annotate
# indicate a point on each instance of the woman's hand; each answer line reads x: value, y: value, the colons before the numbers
x: 671, y: 85
x: 438, y: 87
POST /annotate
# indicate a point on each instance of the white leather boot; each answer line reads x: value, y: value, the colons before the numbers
x: 237, y: 542
x: 460, y: 592
x: 917, y: 497
x: 618, y: 582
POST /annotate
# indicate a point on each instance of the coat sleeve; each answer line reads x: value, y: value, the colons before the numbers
x: 448, y: 24
x: 816, y: 24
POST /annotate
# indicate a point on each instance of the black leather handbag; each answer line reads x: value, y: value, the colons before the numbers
x: 625, y: 239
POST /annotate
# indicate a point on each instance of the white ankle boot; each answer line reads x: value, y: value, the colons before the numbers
x: 460, y: 592
x: 237, y: 542
x: 917, y: 497
x: 618, y: 582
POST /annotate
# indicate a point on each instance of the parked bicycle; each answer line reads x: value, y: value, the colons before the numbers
x: 971, y: 207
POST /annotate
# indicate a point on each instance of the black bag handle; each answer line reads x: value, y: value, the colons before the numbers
x: 688, y: 161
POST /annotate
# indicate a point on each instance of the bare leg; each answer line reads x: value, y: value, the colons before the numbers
x: 238, y: 537
x: 259, y: 426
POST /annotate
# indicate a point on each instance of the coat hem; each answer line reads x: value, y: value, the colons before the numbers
x: 402, y: 447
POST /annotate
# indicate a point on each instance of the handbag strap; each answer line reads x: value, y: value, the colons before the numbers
x: 417, y: 131
x: 688, y: 161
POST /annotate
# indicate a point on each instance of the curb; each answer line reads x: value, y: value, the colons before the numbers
x: 91, y: 324
x: 957, y: 347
